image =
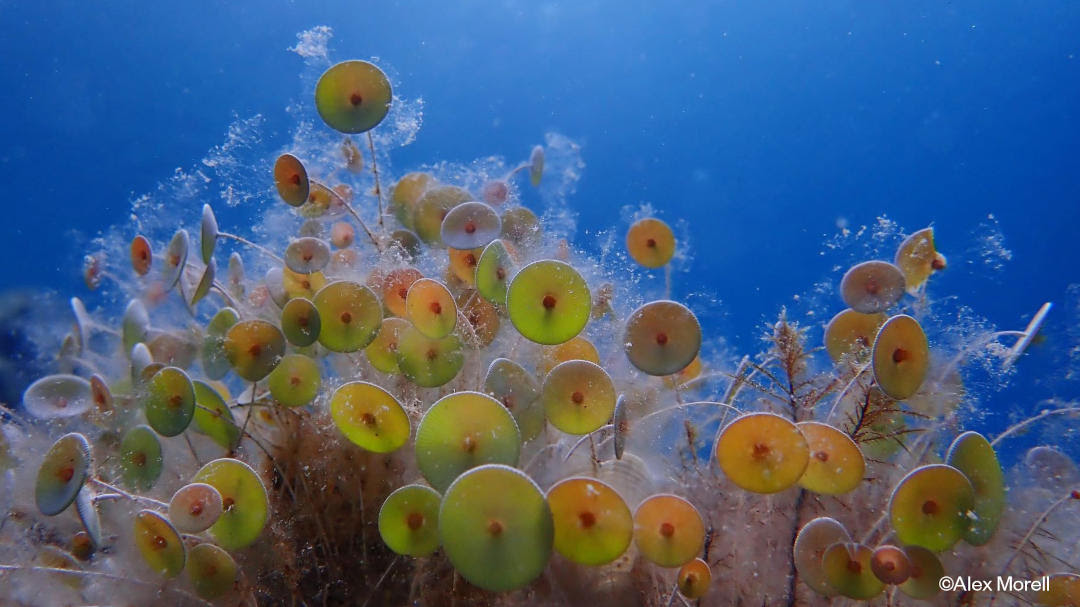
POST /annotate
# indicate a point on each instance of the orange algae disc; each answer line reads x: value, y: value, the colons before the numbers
x: 548, y: 302
x: 395, y: 289
x: 481, y: 317
x: 918, y: 259
x: 593, y: 525
x: 650, y: 242
x: 463, y: 264
x: 350, y: 314
x: 929, y: 507
x: 461, y: 431
x: 431, y: 308
x: 973, y: 455
x: 353, y: 96
x: 872, y: 286
x: 578, y: 396
x: 762, y: 452
x: 159, y: 543
x: 291, y: 180
x: 668, y: 530
x: 662, y: 337
x: 836, y: 464
x: 901, y: 357
x: 406, y: 193
x: 254, y: 348
x: 244, y: 503
x: 851, y: 332
x: 811, y: 543
x: 496, y: 527
x: 577, y: 348
x: 370, y: 417
x: 141, y: 255
x: 694, y: 579
x: 848, y: 570
x: 926, y: 573
x: 470, y: 225
x: 890, y: 564
x: 409, y: 520
x: 1063, y: 591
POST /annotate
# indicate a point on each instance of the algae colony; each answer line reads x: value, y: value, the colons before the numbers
x: 413, y: 385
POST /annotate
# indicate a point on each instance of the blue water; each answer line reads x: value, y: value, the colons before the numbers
x: 762, y: 124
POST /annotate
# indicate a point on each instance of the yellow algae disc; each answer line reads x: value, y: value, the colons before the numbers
x: 212, y: 571
x: 578, y: 396
x: 811, y: 543
x: 662, y: 337
x: 295, y: 381
x: 431, y: 308
x: 463, y: 264
x: 520, y: 226
x: 370, y: 417
x: 382, y: 351
x: 159, y: 543
x: 254, y: 348
x: 406, y: 193
x: 890, y: 564
x: 245, y: 506
x: 836, y: 464
x: 847, y: 569
x: 428, y: 362
x: 918, y: 259
x: 930, y: 507
x: 762, y: 452
x: 668, y: 530
x: 353, y: 96
x: 409, y: 520
x: 925, y: 576
x: 350, y: 314
x: 496, y: 527
x: 493, y: 270
x: 973, y: 455
x: 291, y: 180
x: 901, y: 356
x: 650, y: 242
x: 850, y: 331
x: 461, y: 431
x: 578, y: 348
x: 694, y: 579
x: 593, y: 525
x: 872, y: 286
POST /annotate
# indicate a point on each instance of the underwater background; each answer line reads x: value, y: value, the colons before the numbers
x: 783, y: 142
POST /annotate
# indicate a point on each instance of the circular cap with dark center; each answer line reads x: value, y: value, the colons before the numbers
x: 353, y: 96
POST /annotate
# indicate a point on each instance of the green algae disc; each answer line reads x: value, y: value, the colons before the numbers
x: 668, y: 530
x: 496, y: 528
x: 140, y: 458
x: 406, y: 193
x: 213, y: 417
x: 973, y: 455
x: 56, y: 396
x: 350, y: 315
x: 578, y: 396
x: 461, y: 431
x: 295, y: 381
x: 536, y: 165
x: 254, y: 348
x: 593, y: 525
x: 244, y: 502
x: 926, y: 573
x: 170, y: 402
x: 195, y: 507
x: 901, y: 357
x: 382, y: 351
x: 514, y: 387
x: 762, y: 452
x: 662, y: 337
x: 813, y: 540
x: 836, y: 463
x: 159, y: 543
x: 353, y: 96
x: 62, y: 473
x: 930, y: 506
x: 212, y: 571
x: 370, y: 417
x: 409, y: 520
x: 847, y: 569
x: 300, y: 322
x: 548, y: 302
x: 493, y: 271
x: 428, y: 362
